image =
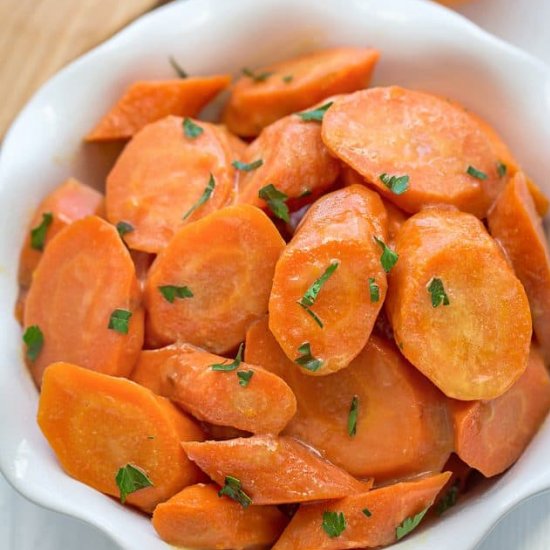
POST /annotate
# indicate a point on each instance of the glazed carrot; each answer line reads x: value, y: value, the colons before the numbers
x: 292, y: 85
x: 491, y: 435
x: 84, y: 280
x: 67, y: 203
x: 144, y: 102
x: 198, y: 518
x: 273, y: 470
x: 246, y: 397
x: 97, y: 424
x: 226, y: 261
x: 443, y: 158
x: 514, y: 222
x: 454, y: 301
x: 391, y: 399
x: 334, y: 249
x: 372, y: 519
x: 169, y: 175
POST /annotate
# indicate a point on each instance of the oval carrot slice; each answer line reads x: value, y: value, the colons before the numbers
x: 147, y: 101
x: 270, y: 93
x: 444, y: 154
x: 165, y: 178
x: 329, y: 284
x: 514, y: 222
x: 218, y: 390
x: 453, y: 302
x: 273, y: 470
x: 491, y: 435
x: 86, y: 414
x: 226, y: 261
x: 371, y: 520
x: 198, y: 518
x: 75, y: 299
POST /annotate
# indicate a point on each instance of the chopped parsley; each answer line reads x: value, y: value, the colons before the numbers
x: 502, y: 169
x: 389, y: 257
x: 177, y: 67
x: 309, y: 297
x: 448, y: 501
x: 38, y: 234
x: 244, y: 377
x: 34, y: 341
x: 409, y: 524
x: 475, y: 173
x: 334, y: 523
x: 130, y: 479
x: 206, y: 194
x: 439, y: 296
x: 352, y: 416
x: 396, y: 184
x: 232, y: 489
x: 257, y: 77
x: 276, y: 200
x: 119, y: 320
x: 374, y: 290
x: 247, y: 167
x: 367, y: 512
x: 288, y: 78
x: 190, y: 129
x: 227, y: 367
x: 315, y: 115
x: 306, y: 359
x: 123, y: 228
x: 171, y: 292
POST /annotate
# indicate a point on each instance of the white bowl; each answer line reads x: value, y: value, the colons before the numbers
x: 423, y: 46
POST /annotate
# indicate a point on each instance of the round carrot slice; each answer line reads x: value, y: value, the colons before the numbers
x: 170, y: 173
x: 453, y: 302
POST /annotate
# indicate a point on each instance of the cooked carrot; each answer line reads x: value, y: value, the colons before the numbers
x: 371, y: 519
x: 85, y: 276
x: 67, y: 203
x: 265, y: 95
x: 273, y: 470
x: 443, y: 157
x: 97, y: 424
x: 147, y: 101
x: 198, y: 518
x: 334, y: 249
x: 169, y: 175
x: 514, y: 222
x: 491, y: 435
x: 246, y: 397
x: 391, y: 399
x: 542, y: 203
x: 226, y: 261
x: 454, y: 301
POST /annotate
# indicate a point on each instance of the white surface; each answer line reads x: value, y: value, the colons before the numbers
x: 27, y: 527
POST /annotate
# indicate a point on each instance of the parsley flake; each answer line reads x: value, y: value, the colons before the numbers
x: 206, y: 194
x: 367, y: 512
x: 396, y: 184
x: 232, y: 489
x: 257, y: 77
x: 123, y: 228
x: 288, y: 78
x: 389, y: 257
x: 306, y: 359
x: 352, y: 416
x: 374, y: 290
x: 276, y: 200
x: 448, y: 501
x: 439, y: 296
x: 312, y: 314
x: 38, y: 234
x: 34, y: 341
x: 177, y: 67
x: 130, y: 479
x: 409, y: 524
x: 244, y: 377
x: 247, y: 167
x: 227, y: 367
x: 475, y: 173
x: 190, y: 129
x: 119, y: 320
x: 315, y: 115
x: 171, y: 292
x: 502, y: 169
x: 334, y: 523
x: 308, y: 299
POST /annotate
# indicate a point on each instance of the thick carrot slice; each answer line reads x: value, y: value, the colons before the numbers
x: 273, y: 470
x: 226, y: 261
x: 248, y: 397
x: 163, y: 174
x: 338, y: 230
x: 144, y: 102
x: 514, y: 222
x: 445, y: 154
x: 294, y: 85
x: 391, y: 399
x: 371, y: 519
x: 453, y: 302
x: 491, y: 435
x: 97, y: 424
x: 198, y: 518
x: 85, y: 275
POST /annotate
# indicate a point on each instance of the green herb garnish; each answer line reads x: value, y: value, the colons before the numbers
x: 244, y: 377
x: 34, y: 341
x: 38, y: 234
x: 334, y: 523
x: 315, y: 115
x: 247, y: 167
x: 436, y: 289
x: 227, y: 367
x: 352, y: 416
x: 396, y: 184
x: 190, y: 129
x: 206, y: 194
x: 130, y: 479
x: 119, y: 320
x: 409, y: 524
x: 288, y: 78
x: 389, y: 257
x: 123, y: 228
x: 448, y: 501
x: 306, y: 359
x: 257, y: 77
x: 367, y: 512
x: 171, y: 292
x: 478, y: 174
x: 374, y: 290
x: 276, y: 200
x: 502, y: 169
x: 177, y: 67
x: 310, y: 295
x: 232, y: 489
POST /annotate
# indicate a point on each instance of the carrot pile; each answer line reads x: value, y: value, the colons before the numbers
x: 301, y: 328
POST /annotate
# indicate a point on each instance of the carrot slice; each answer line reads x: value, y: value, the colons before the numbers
x: 391, y: 398
x: 85, y: 275
x: 198, y: 518
x: 147, y: 101
x: 163, y: 174
x: 542, y: 202
x: 514, y: 222
x: 453, y: 302
x: 295, y: 84
x: 226, y: 260
x: 491, y: 435
x: 371, y: 519
x: 273, y: 470
x: 247, y: 397
x: 338, y: 230
x: 97, y: 424
x: 446, y: 156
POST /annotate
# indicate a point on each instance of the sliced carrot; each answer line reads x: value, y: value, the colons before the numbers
x: 247, y: 397
x: 198, y: 518
x: 295, y: 84
x: 147, y: 101
x: 273, y: 470
x: 85, y: 275
x: 514, y: 222
x: 97, y: 424
x: 491, y: 435
x: 338, y: 230
x: 371, y: 519
x: 226, y: 261
x: 542, y: 202
x: 446, y: 156
x: 163, y: 174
